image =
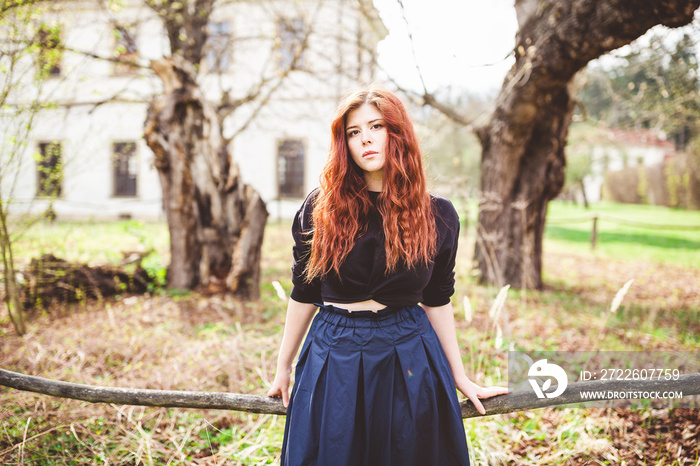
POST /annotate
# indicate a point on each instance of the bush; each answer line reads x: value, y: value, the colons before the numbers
x: 673, y: 183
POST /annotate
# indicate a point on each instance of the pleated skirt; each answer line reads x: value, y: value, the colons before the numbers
x: 373, y: 389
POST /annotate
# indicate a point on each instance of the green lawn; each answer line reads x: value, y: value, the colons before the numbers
x: 568, y: 230
x: 655, y: 240
x: 91, y: 241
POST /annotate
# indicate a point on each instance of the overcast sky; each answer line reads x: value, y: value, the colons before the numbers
x: 459, y: 43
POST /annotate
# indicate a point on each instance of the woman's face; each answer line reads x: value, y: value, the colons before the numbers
x: 367, y: 135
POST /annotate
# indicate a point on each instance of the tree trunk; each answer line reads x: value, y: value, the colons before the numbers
x: 523, y: 159
x: 216, y: 222
x: 12, y: 295
x: 583, y: 194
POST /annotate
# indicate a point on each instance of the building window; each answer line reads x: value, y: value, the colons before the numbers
x: 218, y: 47
x: 125, y: 168
x: 290, y: 168
x: 291, y: 35
x: 49, y: 169
x: 125, y: 50
x: 50, y: 50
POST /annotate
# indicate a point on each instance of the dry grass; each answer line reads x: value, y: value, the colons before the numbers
x: 194, y: 343
x: 214, y: 343
x: 191, y: 342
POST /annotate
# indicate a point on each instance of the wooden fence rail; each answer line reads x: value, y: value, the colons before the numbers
x: 688, y: 384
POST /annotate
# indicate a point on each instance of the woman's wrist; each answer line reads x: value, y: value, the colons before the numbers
x: 461, y: 379
x: 284, y: 367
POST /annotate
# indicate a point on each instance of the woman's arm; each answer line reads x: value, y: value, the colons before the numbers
x: 443, y: 321
x: 299, y: 317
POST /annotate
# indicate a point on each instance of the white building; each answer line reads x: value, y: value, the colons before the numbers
x: 92, y: 136
x: 622, y: 149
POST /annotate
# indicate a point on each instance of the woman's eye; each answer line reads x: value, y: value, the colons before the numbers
x: 353, y: 133
x: 377, y: 126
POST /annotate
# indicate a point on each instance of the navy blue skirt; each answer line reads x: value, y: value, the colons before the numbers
x: 373, y: 389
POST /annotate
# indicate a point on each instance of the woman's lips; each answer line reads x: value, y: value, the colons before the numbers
x: 368, y: 153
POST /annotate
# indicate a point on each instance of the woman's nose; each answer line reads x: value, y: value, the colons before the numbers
x: 366, y: 139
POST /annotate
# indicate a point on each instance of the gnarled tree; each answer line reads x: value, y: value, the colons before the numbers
x: 523, y: 159
x: 216, y: 222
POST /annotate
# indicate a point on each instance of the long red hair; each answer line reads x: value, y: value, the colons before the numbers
x: 342, y: 207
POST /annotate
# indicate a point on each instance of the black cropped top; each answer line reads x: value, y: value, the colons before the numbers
x: 362, y: 274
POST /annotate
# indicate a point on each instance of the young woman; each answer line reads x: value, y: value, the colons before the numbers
x: 374, y: 253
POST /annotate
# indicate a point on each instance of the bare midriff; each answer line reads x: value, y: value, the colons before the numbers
x: 369, y: 305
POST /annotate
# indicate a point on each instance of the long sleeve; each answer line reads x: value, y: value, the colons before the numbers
x: 440, y: 288
x: 303, y: 291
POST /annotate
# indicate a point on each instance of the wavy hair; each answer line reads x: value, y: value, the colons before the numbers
x: 342, y: 208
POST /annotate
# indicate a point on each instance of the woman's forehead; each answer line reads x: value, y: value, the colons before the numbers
x: 363, y: 114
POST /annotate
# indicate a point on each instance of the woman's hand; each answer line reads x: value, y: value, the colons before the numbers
x: 442, y: 320
x: 475, y: 392
x: 280, y: 386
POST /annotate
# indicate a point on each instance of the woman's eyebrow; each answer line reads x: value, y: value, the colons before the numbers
x: 370, y: 122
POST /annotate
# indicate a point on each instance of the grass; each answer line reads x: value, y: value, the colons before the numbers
x: 617, y: 240
x: 92, y: 241
x: 215, y: 343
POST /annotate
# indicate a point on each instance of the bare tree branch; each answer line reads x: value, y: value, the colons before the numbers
x: 429, y: 99
x: 413, y: 48
x: 96, y: 56
x: 8, y: 5
x: 227, y: 106
x: 426, y: 98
